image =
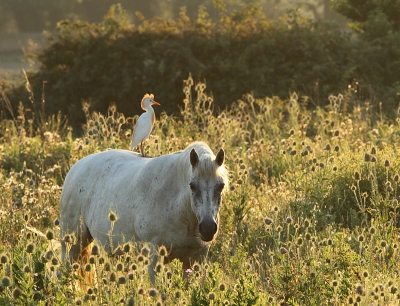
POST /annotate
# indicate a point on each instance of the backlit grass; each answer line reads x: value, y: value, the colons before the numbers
x: 311, y: 218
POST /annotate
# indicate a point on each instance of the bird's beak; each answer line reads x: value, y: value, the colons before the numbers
x: 156, y: 103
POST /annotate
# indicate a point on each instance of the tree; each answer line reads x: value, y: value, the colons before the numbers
x: 365, y: 12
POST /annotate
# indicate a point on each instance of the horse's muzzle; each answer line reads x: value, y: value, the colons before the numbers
x: 207, y: 229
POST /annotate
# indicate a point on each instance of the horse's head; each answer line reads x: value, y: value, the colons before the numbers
x: 207, y: 181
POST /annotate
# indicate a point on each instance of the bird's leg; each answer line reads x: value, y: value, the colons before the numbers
x: 141, y: 148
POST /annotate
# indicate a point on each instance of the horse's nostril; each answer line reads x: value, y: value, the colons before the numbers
x: 201, y: 229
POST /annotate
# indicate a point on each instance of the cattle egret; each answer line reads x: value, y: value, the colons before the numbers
x: 145, y: 122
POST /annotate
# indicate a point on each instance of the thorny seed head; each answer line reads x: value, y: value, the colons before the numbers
x: 152, y: 292
x: 112, y: 277
x: 30, y: 248
x: 268, y: 221
x: 17, y: 293
x: 67, y: 239
x: 127, y: 248
x: 145, y: 251
x: 50, y: 235
x: 95, y: 250
x: 119, y: 266
x: 107, y: 266
x: 122, y: 280
x: 3, y: 258
x: 112, y: 216
x: 299, y: 241
x: 6, y: 281
x: 196, y: 267
x: 283, y: 250
x: 162, y: 250
x: 360, y: 289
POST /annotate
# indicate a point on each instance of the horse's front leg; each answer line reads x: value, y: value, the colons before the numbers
x: 152, y: 268
x: 198, y: 258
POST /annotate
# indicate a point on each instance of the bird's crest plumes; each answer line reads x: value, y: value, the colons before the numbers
x: 146, y: 96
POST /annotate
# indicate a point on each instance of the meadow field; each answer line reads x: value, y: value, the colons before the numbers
x: 311, y: 216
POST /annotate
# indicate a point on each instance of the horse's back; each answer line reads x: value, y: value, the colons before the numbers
x: 93, y: 178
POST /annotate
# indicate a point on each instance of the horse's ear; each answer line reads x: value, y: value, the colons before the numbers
x: 194, y: 158
x: 220, y: 157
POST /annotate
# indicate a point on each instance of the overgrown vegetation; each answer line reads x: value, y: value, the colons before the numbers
x: 312, y: 216
x: 243, y: 52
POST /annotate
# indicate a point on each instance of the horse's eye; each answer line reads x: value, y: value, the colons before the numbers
x: 221, y: 187
x: 192, y: 186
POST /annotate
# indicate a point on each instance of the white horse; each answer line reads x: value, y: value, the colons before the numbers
x: 171, y: 200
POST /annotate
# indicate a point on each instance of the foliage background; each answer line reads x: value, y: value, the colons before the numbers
x: 242, y: 52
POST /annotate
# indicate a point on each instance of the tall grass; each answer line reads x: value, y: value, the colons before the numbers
x: 312, y: 215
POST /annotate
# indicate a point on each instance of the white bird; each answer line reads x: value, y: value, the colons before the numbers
x: 145, y: 123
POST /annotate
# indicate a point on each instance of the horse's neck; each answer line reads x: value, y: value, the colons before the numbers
x: 184, y: 173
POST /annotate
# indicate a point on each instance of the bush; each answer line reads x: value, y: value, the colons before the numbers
x: 115, y: 62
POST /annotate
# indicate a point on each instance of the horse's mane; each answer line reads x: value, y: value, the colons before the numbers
x: 207, y: 162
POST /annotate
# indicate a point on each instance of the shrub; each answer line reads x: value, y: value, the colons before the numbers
x: 115, y: 62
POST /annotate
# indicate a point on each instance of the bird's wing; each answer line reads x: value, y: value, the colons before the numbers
x: 142, y: 129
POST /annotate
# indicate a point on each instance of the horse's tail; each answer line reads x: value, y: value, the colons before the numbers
x: 87, y: 275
